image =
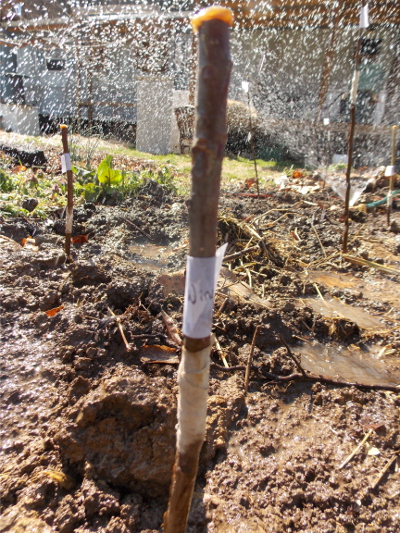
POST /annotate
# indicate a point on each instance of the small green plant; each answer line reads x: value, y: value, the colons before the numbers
x: 107, y: 175
x: 6, y: 182
x: 164, y: 176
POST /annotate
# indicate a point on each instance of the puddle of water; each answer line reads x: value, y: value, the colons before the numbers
x: 334, y: 308
x: 374, y: 289
x: 348, y: 364
x: 150, y: 257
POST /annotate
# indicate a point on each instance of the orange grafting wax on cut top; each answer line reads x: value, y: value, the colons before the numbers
x: 63, y: 126
x: 211, y: 13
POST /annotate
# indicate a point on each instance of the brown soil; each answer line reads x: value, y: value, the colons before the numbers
x: 88, y: 427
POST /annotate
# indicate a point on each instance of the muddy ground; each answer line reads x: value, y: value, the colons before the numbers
x: 88, y: 425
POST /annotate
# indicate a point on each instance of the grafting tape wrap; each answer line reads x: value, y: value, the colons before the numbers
x: 354, y: 87
x: 192, y: 401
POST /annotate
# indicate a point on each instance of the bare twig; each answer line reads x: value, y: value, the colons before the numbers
x: 222, y: 306
x: 231, y: 257
x: 356, y: 450
x: 250, y: 361
x: 172, y: 328
x: 316, y: 233
x: 353, y: 98
x: 127, y: 345
x: 370, y: 264
x: 380, y: 475
x: 138, y: 229
x: 221, y: 353
x: 290, y: 354
x: 253, y: 152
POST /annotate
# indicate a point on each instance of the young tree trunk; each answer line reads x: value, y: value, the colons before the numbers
x: 70, y: 190
x: 210, y: 138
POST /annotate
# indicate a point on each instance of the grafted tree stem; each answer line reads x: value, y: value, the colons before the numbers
x: 207, y: 153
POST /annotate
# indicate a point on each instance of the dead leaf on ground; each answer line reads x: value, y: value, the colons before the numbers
x: 154, y: 353
x: 52, y: 312
x: 79, y: 239
x: 30, y: 244
x: 297, y: 174
x: 249, y: 183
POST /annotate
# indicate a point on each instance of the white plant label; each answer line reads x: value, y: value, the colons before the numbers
x: 326, y: 121
x: 354, y: 87
x: 245, y: 86
x: 390, y: 171
x: 249, y: 137
x: 364, y: 19
x: 65, y: 163
x: 201, y: 282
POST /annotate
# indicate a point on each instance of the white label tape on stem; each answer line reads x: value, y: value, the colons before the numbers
x: 326, y: 121
x: 364, y: 20
x: 245, y: 86
x: 68, y: 222
x: 354, y: 87
x: 390, y: 171
x: 390, y: 199
x: 65, y: 163
x: 201, y: 281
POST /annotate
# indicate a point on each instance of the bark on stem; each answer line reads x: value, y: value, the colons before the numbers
x: 353, y: 97
x: 70, y: 194
x: 391, y: 183
x: 212, y: 84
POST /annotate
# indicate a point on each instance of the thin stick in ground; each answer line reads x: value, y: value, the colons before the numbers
x: 253, y: 151
x: 212, y: 89
x: 289, y: 352
x: 353, y: 98
x: 70, y: 190
x: 391, y: 184
x: 250, y: 361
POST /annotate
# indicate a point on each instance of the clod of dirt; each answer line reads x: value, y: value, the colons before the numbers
x: 30, y: 204
x: 88, y: 272
x: 18, y: 519
x: 125, y: 431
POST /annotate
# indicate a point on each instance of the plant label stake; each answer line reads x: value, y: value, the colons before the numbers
x: 214, y: 67
x: 391, y: 171
x: 364, y: 22
x: 66, y: 168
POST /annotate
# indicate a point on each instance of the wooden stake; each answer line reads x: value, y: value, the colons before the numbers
x: 70, y: 193
x: 391, y: 185
x: 253, y: 151
x: 214, y: 67
x: 353, y: 97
